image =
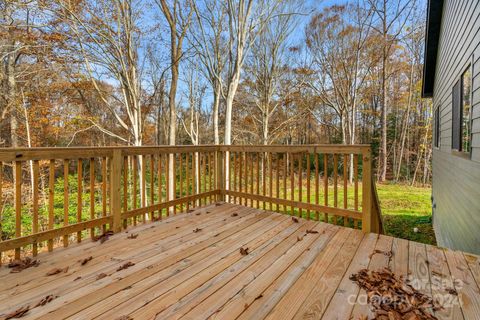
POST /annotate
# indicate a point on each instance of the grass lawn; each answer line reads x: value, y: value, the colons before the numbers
x: 403, y: 209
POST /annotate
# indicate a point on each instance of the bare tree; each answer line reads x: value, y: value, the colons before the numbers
x: 209, y: 45
x: 392, y: 15
x: 179, y: 18
x: 268, y: 65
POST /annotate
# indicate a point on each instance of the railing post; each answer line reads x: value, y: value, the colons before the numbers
x: 367, y: 191
x: 115, y: 189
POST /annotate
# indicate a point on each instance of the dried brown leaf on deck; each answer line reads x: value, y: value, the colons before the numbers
x: 57, y: 271
x: 132, y: 236
x: 244, y: 251
x: 101, y: 276
x: 299, y: 238
x: 85, y: 261
x: 311, y: 231
x: 452, y: 291
x: 197, y: 230
x: 20, y: 312
x: 234, y: 214
x: 124, y: 318
x: 126, y: 265
x: 45, y: 300
x: 19, y: 265
x: 103, y: 237
x: 294, y: 219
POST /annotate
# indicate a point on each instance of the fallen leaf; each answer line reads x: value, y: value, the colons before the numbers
x: 312, y: 231
x: 45, y: 300
x: 294, y: 219
x: 20, y: 312
x: 19, y: 265
x: 101, y: 276
x: 244, y: 251
x: 198, y: 213
x: 452, y: 291
x: 234, y: 214
x: 103, y: 237
x: 124, y: 318
x: 259, y: 297
x: 299, y: 238
x: 57, y: 271
x: 126, y: 265
x: 197, y: 230
x: 85, y: 261
x: 132, y: 236
x: 77, y: 278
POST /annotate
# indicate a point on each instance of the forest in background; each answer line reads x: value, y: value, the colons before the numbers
x: 130, y: 72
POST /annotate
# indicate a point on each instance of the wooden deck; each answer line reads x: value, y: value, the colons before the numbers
x: 189, y: 266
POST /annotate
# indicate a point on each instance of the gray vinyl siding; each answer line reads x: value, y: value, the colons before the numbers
x: 456, y: 180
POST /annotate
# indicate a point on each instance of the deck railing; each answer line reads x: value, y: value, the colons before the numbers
x: 55, y: 196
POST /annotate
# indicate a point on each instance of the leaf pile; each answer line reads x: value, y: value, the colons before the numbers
x: 392, y: 298
x: 19, y: 265
x: 103, y: 237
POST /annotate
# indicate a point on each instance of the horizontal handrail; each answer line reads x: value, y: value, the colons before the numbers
x: 109, y: 188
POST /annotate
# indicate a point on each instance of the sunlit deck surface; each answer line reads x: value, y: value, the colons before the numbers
x: 190, y: 266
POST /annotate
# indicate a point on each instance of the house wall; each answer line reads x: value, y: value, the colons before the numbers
x: 456, y: 178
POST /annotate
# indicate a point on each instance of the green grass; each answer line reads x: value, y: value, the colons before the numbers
x: 405, y: 208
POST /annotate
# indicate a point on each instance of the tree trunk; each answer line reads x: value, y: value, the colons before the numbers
x: 216, y: 105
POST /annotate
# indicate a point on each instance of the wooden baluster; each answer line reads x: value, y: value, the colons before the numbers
x: 277, y: 184
x: 143, y: 188
x: 270, y: 180
x: 152, y: 185
x: 325, y: 185
x: 245, y: 159
x: 345, y: 185
x: 51, y: 194
x: 308, y: 184
x: 160, y: 183
x: 355, y: 177
x: 210, y: 173
x: 234, y: 199
x: 251, y: 178
x: 187, y: 177
x: 167, y: 181
x: 335, y: 186
x: 134, y: 174
x: 18, y: 204
x: 292, y: 181
x: 174, y: 181
x: 79, y: 196
x: 35, y: 204
x: 92, y: 194
x: 1, y: 204
x: 258, y: 178
x: 194, y: 174
x: 65, y: 199
x: 300, y: 185
x: 104, y: 190
x: 240, y: 177
x: 317, y: 182
x: 264, y: 178
x: 125, y: 189
x: 180, y: 169
x: 285, y: 173
x: 204, y: 176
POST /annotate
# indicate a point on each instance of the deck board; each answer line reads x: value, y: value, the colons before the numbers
x: 182, y: 274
